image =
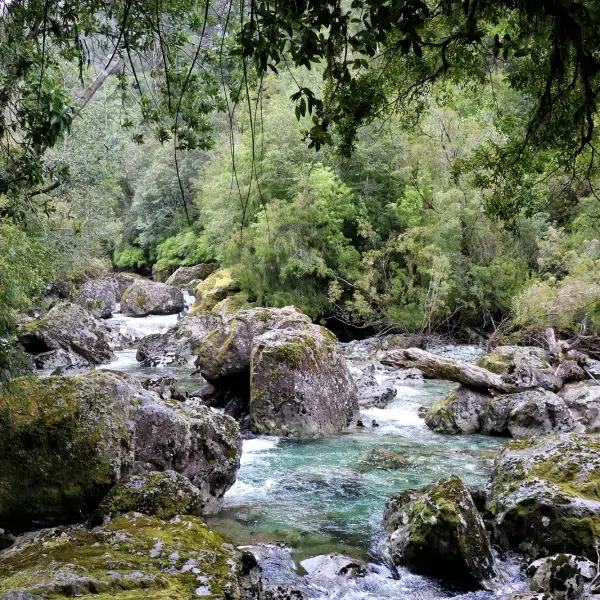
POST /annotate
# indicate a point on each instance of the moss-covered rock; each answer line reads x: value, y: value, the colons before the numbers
x: 216, y: 287
x: 300, y: 384
x: 502, y: 357
x: 562, y: 575
x: 521, y: 415
x: 437, y: 531
x: 545, y: 495
x: 69, y: 327
x: 163, y: 495
x: 183, y: 276
x: 65, y: 441
x: 132, y: 557
x: 383, y: 459
x: 145, y: 297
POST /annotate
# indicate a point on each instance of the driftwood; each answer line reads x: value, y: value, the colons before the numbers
x: 439, y: 367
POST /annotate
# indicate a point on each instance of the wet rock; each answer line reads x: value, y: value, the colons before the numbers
x: 378, y: 397
x: 216, y: 287
x: 300, y: 384
x: 437, y: 531
x: 163, y: 495
x: 331, y: 566
x: 583, y: 399
x: 233, y: 402
x: 525, y: 414
x: 479, y: 496
x: 562, y: 575
x: 186, y: 275
x: 283, y: 592
x: 58, y: 358
x: 132, y: 556
x: 191, y: 330
x: 71, y: 328
x: 99, y: 296
x: 145, y: 297
x: 545, y: 495
x: 160, y: 349
x: 66, y: 441
x: 387, y: 460
x: 166, y: 387
x: 499, y: 360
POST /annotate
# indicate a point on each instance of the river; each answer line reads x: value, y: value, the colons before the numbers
x: 297, y: 499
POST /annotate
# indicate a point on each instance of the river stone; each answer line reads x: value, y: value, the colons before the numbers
x: 59, y: 358
x: 132, y: 556
x: 225, y: 352
x: 583, y: 399
x: 145, y: 297
x: 300, y: 384
x: 163, y: 495
x: 562, y: 575
x: 387, y: 460
x: 330, y: 566
x: 65, y: 441
x: 160, y: 349
x: 525, y: 414
x: 437, y: 531
x: 216, y: 287
x: 185, y: 275
x: 166, y: 387
x: 99, y: 296
x: 545, y: 495
x: 500, y: 359
x: 71, y: 328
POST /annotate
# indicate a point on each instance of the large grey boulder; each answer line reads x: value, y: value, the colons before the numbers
x: 145, y: 297
x: 583, y: 399
x: 563, y: 576
x: 99, y: 296
x: 184, y: 276
x: 71, y: 328
x: 437, y: 531
x: 67, y: 440
x: 520, y: 415
x: 300, y: 384
x: 501, y: 358
x: 544, y: 495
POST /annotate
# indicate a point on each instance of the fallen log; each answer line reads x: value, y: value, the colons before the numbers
x: 439, y: 367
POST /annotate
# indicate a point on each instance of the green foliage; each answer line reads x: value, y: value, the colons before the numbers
x: 185, y: 248
x: 131, y: 257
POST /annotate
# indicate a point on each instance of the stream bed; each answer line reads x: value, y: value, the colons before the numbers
x: 296, y: 499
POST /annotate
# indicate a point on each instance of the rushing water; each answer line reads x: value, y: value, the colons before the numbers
x: 302, y: 498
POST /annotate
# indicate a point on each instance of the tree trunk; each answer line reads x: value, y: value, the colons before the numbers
x: 438, y: 367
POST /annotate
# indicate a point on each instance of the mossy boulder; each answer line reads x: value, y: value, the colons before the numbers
x: 520, y: 415
x: 437, y: 531
x: 562, y: 576
x: 145, y: 297
x: 69, y: 327
x: 183, y: 276
x: 300, y: 384
x: 133, y: 556
x: 545, y: 495
x: 216, y: 287
x: 65, y: 441
x: 383, y: 459
x: 99, y: 296
x: 159, y: 494
x: 500, y: 359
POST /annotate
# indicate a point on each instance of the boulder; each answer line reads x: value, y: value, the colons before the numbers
x: 525, y: 414
x: 67, y: 440
x: 191, y: 330
x: 216, y: 287
x: 300, y: 384
x: 145, y: 297
x: 386, y: 460
x: 501, y: 358
x: 160, y: 349
x: 166, y: 387
x: 437, y: 531
x: 132, y: 556
x: 68, y: 327
x: 163, y: 495
x: 331, y: 566
x: 59, y: 358
x: 545, y: 495
x: 99, y: 296
x: 186, y: 275
x: 124, y: 280
x: 583, y: 399
x: 562, y: 575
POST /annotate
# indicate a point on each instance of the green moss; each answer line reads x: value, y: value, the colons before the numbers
x: 291, y: 353
x: 132, y: 553
x: 493, y: 362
